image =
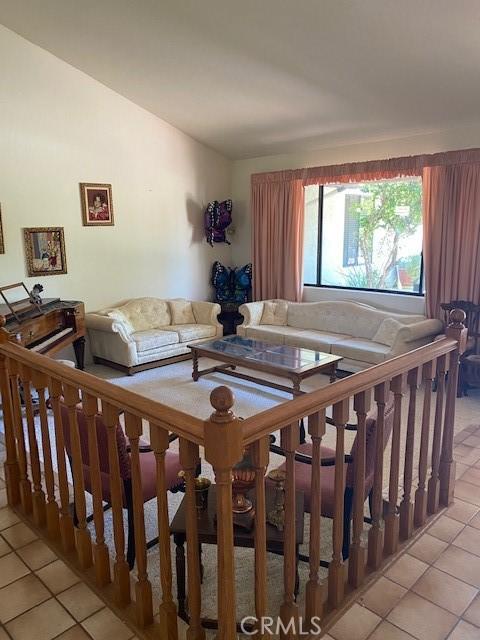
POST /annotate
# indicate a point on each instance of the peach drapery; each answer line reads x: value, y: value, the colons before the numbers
x: 451, y: 218
x: 278, y: 218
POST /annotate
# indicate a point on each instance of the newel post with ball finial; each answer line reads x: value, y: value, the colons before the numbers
x: 223, y: 449
x: 456, y: 330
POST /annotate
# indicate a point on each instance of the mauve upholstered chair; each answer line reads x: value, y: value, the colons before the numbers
x: 303, y: 471
x: 147, y: 468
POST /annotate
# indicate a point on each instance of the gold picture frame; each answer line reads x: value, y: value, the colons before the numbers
x: 45, y: 251
x: 2, y: 242
x: 97, y: 204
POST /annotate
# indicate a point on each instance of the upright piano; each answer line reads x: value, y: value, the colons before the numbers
x: 45, y: 326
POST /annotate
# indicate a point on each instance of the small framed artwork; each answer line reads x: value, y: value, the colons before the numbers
x: 2, y: 243
x: 45, y: 251
x: 97, y: 205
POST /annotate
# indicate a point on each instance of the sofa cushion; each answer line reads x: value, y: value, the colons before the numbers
x: 145, y: 313
x: 361, y: 349
x: 153, y: 339
x: 189, y: 332
x: 269, y: 333
x: 315, y: 340
x: 387, y: 331
x: 182, y: 312
x: 274, y: 313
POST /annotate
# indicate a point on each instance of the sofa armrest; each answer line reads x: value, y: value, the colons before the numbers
x: 206, y: 312
x: 97, y: 322
x: 252, y: 313
x: 418, y: 331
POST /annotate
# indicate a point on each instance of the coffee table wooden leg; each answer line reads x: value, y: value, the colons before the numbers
x: 333, y: 373
x: 297, y: 575
x: 180, y: 567
x: 195, y: 375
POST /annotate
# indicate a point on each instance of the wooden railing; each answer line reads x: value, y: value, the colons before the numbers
x: 417, y: 486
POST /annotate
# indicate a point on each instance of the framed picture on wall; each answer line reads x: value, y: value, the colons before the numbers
x: 45, y: 251
x: 2, y: 243
x: 97, y: 205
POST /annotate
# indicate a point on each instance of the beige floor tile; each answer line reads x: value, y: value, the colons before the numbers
x: 427, y: 548
x: 8, y: 518
x: 356, y: 624
x: 11, y: 568
x: 460, y: 564
x: 36, y: 554
x: 445, y: 590
x: 472, y: 441
x: 406, y: 570
x: 460, y: 470
x: 472, y: 614
x: 462, y: 511
x: 80, y: 601
x: 4, y: 635
x: 421, y: 618
x: 47, y: 621
x: 461, y: 450
x: 472, y: 475
x: 475, y: 521
x: 21, y: 595
x: 468, y: 492
x: 465, y: 631
x: 4, y: 547
x: 445, y: 528
x: 74, y: 633
x: 382, y: 596
x: 472, y: 458
x: 104, y: 625
x: 57, y: 576
x: 469, y: 539
x: 386, y: 631
x: 19, y: 535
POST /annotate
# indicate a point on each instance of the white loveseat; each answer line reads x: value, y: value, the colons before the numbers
x: 143, y: 333
x: 361, y: 334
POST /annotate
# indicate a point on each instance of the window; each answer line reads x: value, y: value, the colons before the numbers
x: 365, y: 236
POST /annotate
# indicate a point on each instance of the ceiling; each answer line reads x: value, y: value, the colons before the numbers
x: 260, y: 77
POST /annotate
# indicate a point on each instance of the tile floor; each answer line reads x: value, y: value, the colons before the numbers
x: 432, y: 592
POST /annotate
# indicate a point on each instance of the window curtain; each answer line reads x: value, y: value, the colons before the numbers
x: 278, y: 213
x: 451, y: 217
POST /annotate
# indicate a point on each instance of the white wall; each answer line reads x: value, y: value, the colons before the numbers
x: 59, y: 127
x: 434, y: 142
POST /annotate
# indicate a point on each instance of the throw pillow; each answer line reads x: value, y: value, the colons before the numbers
x: 117, y: 315
x: 387, y: 331
x: 182, y: 312
x: 275, y: 313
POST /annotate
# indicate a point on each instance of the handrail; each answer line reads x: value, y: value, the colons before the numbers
x: 262, y: 424
x: 183, y: 424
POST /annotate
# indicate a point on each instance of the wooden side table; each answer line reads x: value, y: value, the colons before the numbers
x: 207, y: 534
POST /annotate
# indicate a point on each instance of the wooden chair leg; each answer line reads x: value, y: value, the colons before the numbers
x: 131, y: 528
x: 347, y: 521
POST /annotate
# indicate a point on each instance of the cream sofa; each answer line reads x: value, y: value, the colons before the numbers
x: 143, y: 333
x: 361, y: 334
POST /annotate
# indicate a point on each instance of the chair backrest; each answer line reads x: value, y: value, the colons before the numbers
x: 102, y: 444
x: 370, y: 446
x: 472, y: 320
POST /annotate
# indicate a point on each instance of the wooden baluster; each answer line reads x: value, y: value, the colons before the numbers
x: 143, y: 588
x: 40, y: 382
x: 260, y: 456
x: 38, y: 497
x: 12, y: 473
x: 223, y: 449
x: 189, y: 459
x: 406, y: 506
x: 67, y: 533
x: 25, y: 484
x: 168, y: 609
x: 434, y: 481
x: 314, y: 592
x: 420, y: 512
x: 375, y: 535
x: 100, y: 549
x: 336, y: 570
x: 289, y: 440
x: 457, y: 331
x: 82, y: 533
x: 392, y: 519
x: 356, y: 558
x: 121, y: 570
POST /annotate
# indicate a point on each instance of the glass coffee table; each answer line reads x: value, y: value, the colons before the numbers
x: 284, y: 361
